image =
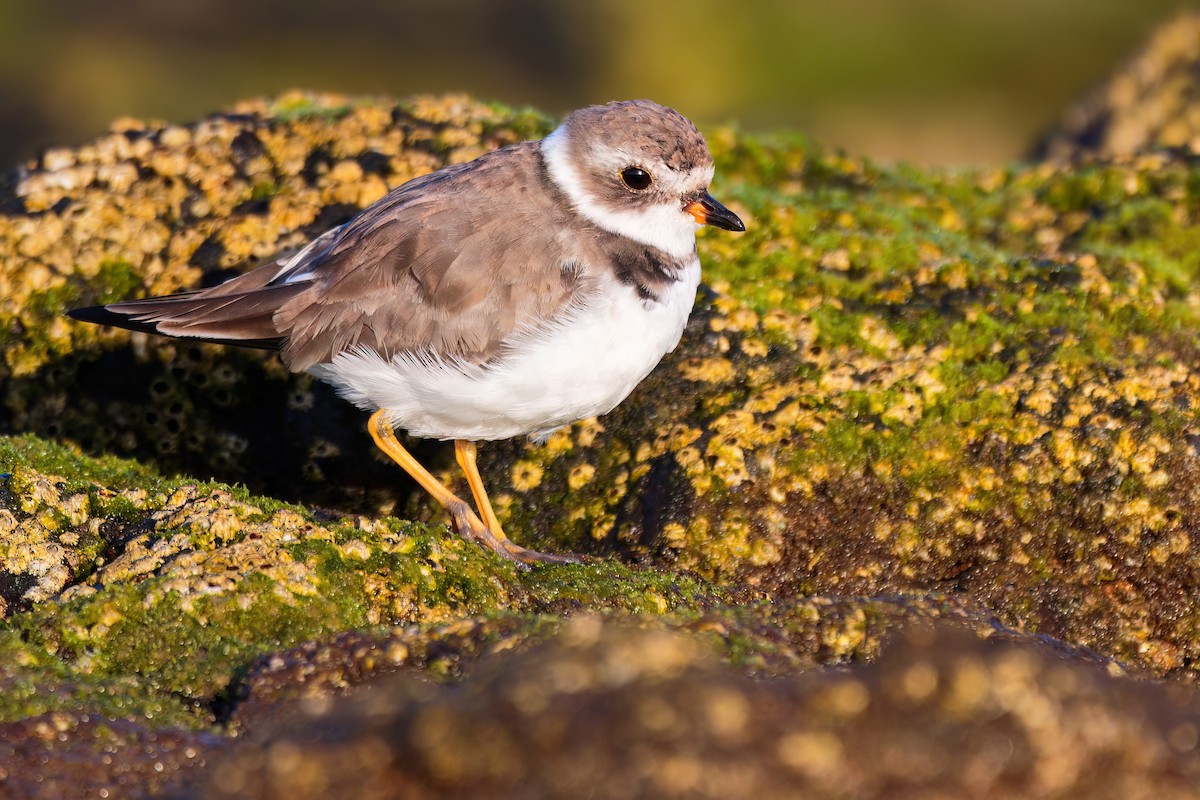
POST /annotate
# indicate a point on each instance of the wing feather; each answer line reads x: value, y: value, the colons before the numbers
x: 448, y: 265
x: 451, y: 273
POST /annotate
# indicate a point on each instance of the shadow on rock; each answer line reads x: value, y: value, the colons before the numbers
x: 214, y: 413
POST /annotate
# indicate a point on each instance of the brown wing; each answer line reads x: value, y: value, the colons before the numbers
x: 450, y: 264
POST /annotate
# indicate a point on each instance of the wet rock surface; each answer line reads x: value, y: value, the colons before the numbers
x: 965, y: 397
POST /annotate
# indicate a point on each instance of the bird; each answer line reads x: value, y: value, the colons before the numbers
x: 511, y: 295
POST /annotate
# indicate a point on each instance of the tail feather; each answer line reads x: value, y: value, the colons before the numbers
x: 245, y: 319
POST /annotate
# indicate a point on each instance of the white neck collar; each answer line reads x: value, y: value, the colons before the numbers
x: 665, y: 227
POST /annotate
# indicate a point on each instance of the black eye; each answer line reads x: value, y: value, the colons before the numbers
x: 636, y: 178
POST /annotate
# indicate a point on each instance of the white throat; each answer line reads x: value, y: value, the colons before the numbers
x: 664, y: 226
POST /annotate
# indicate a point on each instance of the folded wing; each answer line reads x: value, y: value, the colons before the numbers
x: 448, y: 265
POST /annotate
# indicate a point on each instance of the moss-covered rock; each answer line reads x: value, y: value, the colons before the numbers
x: 961, y: 393
x: 118, y: 583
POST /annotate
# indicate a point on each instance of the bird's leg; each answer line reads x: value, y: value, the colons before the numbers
x: 465, y: 452
x: 466, y: 523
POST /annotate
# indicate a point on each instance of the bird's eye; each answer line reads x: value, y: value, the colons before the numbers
x: 636, y: 178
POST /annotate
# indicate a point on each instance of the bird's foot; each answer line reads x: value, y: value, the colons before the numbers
x: 469, y: 526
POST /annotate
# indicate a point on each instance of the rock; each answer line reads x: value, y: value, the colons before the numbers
x: 966, y: 395
x: 1151, y: 102
x: 63, y: 754
x: 187, y: 584
x: 762, y: 639
x: 900, y: 382
x: 607, y: 712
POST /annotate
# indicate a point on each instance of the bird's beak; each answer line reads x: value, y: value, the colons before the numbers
x: 707, y: 211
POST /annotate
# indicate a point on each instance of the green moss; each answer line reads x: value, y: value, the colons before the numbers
x: 46, y: 303
x: 525, y: 123
x: 302, y: 106
x: 35, y: 683
x: 191, y: 648
x: 116, y: 280
x: 263, y: 191
x: 431, y: 569
x: 80, y: 473
x: 615, y: 586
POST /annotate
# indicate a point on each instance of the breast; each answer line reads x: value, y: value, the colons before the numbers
x: 579, y: 367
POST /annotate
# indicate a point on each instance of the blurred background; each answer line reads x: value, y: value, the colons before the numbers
x: 931, y: 81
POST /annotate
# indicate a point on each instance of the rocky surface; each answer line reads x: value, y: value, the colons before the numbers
x: 906, y: 396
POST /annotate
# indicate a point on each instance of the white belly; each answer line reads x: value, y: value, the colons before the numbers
x: 552, y: 377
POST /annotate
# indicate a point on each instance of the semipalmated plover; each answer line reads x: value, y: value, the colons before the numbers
x: 525, y: 290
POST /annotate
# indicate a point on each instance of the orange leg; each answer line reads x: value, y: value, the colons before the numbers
x: 468, y: 525
x: 465, y: 452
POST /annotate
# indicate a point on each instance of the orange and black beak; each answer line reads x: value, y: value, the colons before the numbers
x: 708, y: 211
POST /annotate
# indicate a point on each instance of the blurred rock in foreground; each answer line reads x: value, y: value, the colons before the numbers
x: 607, y: 712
